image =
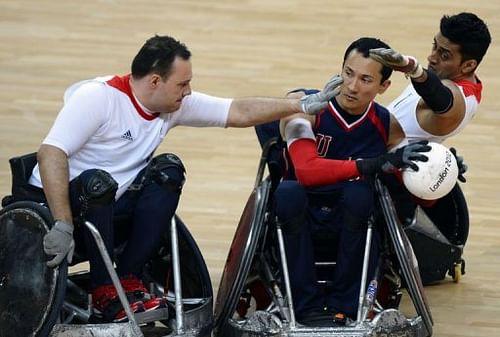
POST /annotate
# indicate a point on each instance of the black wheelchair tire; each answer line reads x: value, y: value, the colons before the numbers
x: 61, y: 272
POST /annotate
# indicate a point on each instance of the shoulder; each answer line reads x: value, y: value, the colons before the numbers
x: 94, y: 89
x: 381, y: 111
x: 199, y: 97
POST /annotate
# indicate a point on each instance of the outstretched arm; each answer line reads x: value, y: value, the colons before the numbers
x: 442, y: 98
x: 250, y: 111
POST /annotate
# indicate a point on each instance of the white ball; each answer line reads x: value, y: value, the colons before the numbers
x: 436, y: 177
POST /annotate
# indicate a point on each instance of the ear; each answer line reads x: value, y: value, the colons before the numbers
x: 468, y: 66
x: 384, y: 86
x: 154, y: 80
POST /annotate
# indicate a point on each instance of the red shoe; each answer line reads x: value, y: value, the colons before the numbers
x: 134, y: 288
x: 108, y: 307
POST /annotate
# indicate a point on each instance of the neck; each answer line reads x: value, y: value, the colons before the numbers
x: 140, y: 94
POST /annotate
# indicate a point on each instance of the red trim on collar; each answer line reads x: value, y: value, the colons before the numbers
x: 471, y: 88
x: 342, y: 122
x: 122, y: 83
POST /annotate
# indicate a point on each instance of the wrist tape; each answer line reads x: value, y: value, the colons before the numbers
x: 435, y: 94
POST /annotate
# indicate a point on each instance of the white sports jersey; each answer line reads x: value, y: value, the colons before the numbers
x: 405, y: 106
x: 103, y: 126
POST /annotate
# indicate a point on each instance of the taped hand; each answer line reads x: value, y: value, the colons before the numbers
x: 397, y: 61
x: 314, y: 103
x: 59, y: 242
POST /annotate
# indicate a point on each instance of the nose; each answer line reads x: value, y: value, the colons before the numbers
x: 432, y: 58
x: 187, y: 91
x: 352, y: 84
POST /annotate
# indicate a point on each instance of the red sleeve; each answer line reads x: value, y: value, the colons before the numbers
x: 312, y: 170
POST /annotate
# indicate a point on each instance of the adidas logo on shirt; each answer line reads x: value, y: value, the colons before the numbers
x: 128, y: 136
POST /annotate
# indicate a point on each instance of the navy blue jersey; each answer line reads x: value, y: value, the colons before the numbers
x: 340, y: 135
x: 343, y: 136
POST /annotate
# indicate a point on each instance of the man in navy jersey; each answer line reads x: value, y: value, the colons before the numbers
x: 96, y: 162
x: 332, y: 157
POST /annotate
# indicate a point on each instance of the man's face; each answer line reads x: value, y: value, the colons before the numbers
x: 445, y: 59
x: 169, y: 92
x: 361, y: 83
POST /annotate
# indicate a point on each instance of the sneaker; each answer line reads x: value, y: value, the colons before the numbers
x: 107, y: 305
x: 135, y: 289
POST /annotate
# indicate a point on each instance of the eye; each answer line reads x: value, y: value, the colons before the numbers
x: 445, y: 55
x: 348, y: 72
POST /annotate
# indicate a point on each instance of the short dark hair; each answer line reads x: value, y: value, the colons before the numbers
x: 469, y: 32
x: 157, y: 56
x: 363, y: 46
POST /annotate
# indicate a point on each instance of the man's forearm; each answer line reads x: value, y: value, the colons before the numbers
x: 246, y: 112
x: 435, y: 94
x: 54, y: 172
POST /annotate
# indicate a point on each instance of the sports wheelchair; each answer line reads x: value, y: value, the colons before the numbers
x: 254, y: 296
x: 36, y: 300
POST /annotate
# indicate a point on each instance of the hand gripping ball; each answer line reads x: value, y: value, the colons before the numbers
x: 436, y: 177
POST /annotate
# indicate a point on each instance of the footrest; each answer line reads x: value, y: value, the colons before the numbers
x: 151, y: 316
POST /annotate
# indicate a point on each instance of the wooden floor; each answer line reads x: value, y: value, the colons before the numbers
x: 241, y: 48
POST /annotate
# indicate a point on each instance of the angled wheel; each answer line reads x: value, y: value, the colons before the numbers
x: 240, y: 257
x: 406, y: 258
x: 31, y: 294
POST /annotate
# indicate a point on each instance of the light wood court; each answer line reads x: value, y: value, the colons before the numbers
x: 252, y: 47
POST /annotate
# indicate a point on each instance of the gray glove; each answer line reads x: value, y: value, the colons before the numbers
x: 314, y: 103
x: 59, y: 242
x: 392, y: 161
x: 397, y: 61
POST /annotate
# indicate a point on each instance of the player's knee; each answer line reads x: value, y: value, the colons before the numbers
x: 96, y: 187
x: 290, y: 205
x: 167, y: 170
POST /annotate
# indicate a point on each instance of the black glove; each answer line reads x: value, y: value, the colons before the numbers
x: 462, y: 167
x: 392, y: 161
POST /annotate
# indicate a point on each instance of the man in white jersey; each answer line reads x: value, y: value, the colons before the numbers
x: 442, y: 99
x: 96, y: 162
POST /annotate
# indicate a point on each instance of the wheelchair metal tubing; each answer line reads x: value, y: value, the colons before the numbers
x: 179, y: 314
x: 364, y: 272
x: 114, y: 277
x: 284, y: 265
x: 263, y: 160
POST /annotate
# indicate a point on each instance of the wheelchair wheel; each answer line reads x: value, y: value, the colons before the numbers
x: 31, y: 294
x: 439, y: 235
x: 196, y: 281
x: 451, y: 216
x: 240, y: 257
x: 197, y: 294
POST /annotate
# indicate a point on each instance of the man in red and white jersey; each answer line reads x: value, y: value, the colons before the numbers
x: 442, y: 99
